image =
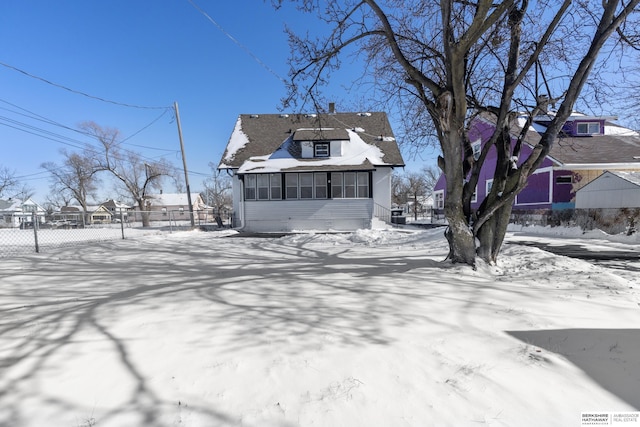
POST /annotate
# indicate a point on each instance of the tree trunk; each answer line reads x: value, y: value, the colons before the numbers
x: 144, y: 213
x: 461, y: 243
x: 491, y: 234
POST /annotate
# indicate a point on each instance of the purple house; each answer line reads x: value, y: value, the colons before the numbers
x: 587, y: 146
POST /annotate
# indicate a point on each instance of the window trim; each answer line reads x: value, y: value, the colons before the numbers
x: 588, y: 131
x: 319, y: 146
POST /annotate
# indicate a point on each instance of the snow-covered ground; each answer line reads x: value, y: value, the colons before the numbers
x: 362, y: 329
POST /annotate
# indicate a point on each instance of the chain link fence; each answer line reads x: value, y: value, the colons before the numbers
x: 34, y: 235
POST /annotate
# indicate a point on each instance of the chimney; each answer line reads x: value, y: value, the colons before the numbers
x: 332, y: 108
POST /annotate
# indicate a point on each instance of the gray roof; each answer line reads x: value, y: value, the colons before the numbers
x: 266, y: 133
x: 597, y: 149
x: 620, y: 146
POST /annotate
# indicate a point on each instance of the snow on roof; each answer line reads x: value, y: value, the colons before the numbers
x: 632, y: 177
x: 355, y: 153
x: 258, y: 139
x: 171, y: 199
x: 237, y: 141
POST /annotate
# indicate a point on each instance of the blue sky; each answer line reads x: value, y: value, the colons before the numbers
x: 146, y: 54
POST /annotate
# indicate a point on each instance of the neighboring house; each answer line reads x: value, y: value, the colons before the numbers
x: 14, y: 212
x: 311, y: 172
x: 95, y: 214
x: 610, y: 190
x: 117, y: 209
x: 586, y: 147
x: 174, y: 206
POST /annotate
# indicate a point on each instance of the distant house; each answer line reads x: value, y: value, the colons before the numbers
x: 610, y: 190
x: 117, y: 209
x: 16, y: 212
x: 97, y: 214
x: 311, y: 172
x: 586, y: 147
x: 174, y: 206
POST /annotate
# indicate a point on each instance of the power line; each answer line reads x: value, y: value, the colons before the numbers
x: 77, y: 91
x: 233, y: 39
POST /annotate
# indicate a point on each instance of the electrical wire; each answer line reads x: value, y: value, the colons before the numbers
x: 77, y: 91
x: 233, y: 39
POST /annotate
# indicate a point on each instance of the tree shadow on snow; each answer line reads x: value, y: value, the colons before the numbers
x: 244, y: 293
x: 611, y: 357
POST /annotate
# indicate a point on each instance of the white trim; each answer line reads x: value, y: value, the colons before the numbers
x: 603, y: 166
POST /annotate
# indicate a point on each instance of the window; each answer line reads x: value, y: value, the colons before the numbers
x: 291, y: 182
x: 164, y: 211
x: 181, y: 209
x: 306, y: 185
x: 250, y: 187
x: 489, y: 186
x: 588, y: 128
x: 477, y: 148
x: 565, y: 179
x: 321, y: 149
x: 438, y: 199
x: 363, y: 184
x: 320, y: 181
x: 336, y: 185
x: 349, y: 185
x: 263, y: 187
x: 276, y: 186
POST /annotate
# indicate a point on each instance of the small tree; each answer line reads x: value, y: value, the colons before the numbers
x: 443, y: 63
x: 217, y: 190
x: 77, y: 177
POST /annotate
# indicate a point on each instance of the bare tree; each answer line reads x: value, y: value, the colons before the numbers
x: 8, y: 180
x: 77, y: 177
x: 443, y: 63
x: 412, y: 189
x: 217, y: 190
x: 136, y: 175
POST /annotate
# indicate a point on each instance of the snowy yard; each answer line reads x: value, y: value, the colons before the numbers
x: 364, y: 329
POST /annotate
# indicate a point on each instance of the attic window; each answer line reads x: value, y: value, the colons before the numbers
x: 321, y: 149
x: 588, y: 128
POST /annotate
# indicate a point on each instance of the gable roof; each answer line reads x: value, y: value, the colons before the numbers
x: 618, y: 146
x: 267, y: 142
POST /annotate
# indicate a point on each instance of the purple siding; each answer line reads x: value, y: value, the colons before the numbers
x: 536, y: 194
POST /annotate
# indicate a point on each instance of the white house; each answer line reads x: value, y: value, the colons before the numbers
x: 174, y: 206
x: 612, y: 189
x: 14, y: 212
x: 311, y: 172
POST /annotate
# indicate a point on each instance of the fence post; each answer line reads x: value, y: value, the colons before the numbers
x: 122, y: 223
x: 35, y: 230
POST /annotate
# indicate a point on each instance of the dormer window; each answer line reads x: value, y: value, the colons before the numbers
x: 321, y: 149
x: 588, y: 128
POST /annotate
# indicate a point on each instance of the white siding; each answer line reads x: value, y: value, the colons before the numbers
x: 381, y: 182
x: 608, y: 191
x: 322, y: 215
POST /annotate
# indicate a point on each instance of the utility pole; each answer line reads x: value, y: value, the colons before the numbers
x: 184, y: 165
